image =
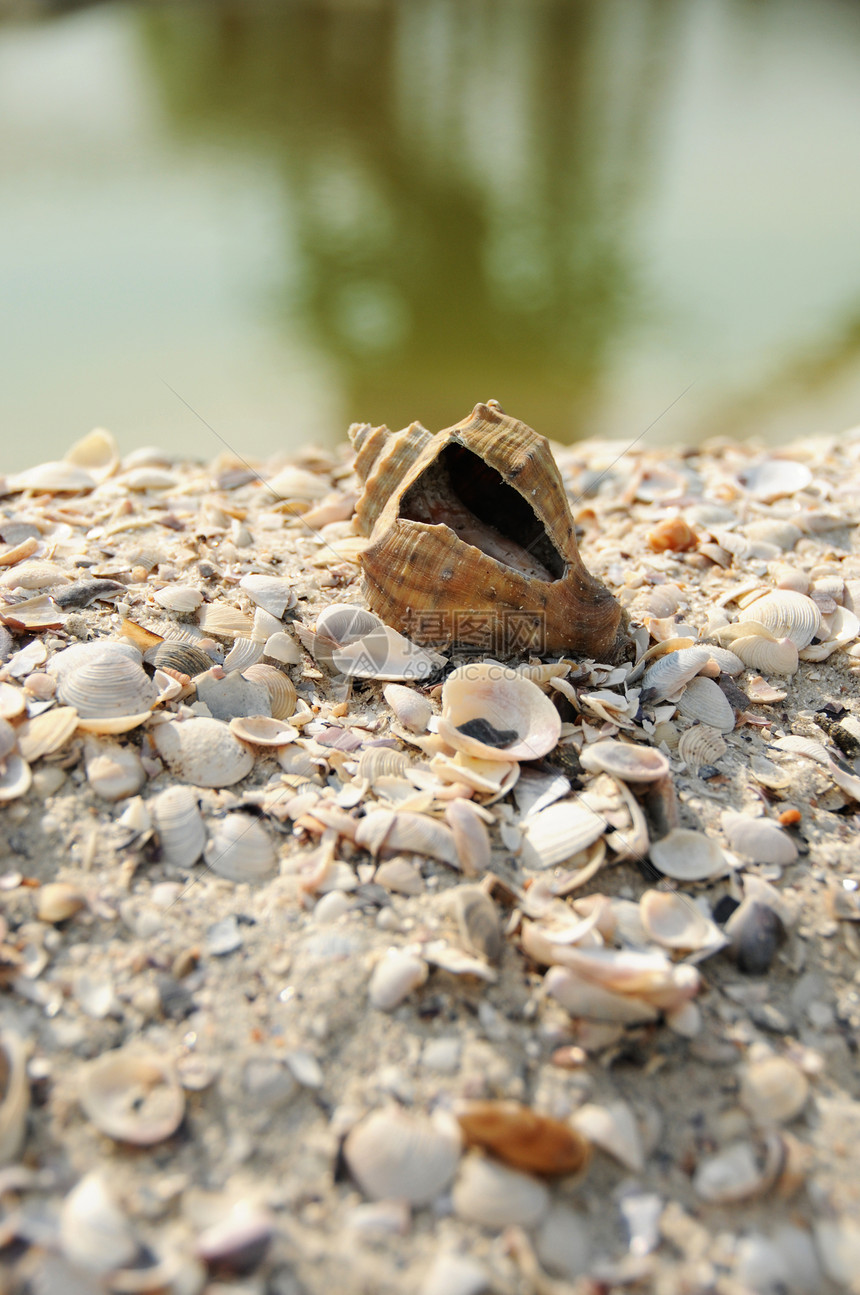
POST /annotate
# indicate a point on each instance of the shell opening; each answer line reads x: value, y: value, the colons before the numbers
x: 461, y: 491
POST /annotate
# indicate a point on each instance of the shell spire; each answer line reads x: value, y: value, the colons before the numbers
x: 472, y: 541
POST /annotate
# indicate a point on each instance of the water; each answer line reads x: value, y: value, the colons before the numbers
x: 258, y: 223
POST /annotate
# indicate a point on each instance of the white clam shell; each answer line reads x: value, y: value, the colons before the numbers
x: 94, y: 1232
x: 36, y: 573
x: 704, y: 700
x: 71, y: 658
x: 495, y: 1196
x: 271, y: 593
x: 560, y: 831
x: 758, y: 839
x: 686, y: 855
x: 177, y: 819
x: 133, y: 1095
x: 393, y: 1154
x: 507, y: 701
x: 178, y: 598
x: 773, y: 478
x: 412, y: 709
x: 773, y: 1090
x: 786, y: 614
x: 391, y: 832
x: 56, y: 478
x: 624, y: 760
x: 113, y: 771
x: 394, y: 978
x: 701, y: 745
x: 14, y: 1096
x: 584, y: 998
x: 675, y: 922
x: 240, y: 849
x: 13, y: 701
x: 671, y: 671
x: 203, y: 752
x: 104, y: 688
x: 767, y: 653
x: 97, y: 453
x: 613, y: 1128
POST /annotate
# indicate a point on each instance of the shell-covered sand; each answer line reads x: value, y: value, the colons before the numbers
x: 296, y: 998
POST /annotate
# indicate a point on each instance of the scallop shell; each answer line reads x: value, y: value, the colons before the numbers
x: 177, y: 819
x: 477, y: 518
x: 271, y: 593
x: 240, y: 849
x: 132, y: 1095
x: 381, y: 762
x: 203, y: 752
x: 394, y: 1155
x: 786, y: 614
x: 47, y: 732
x: 225, y: 621
x: 701, y: 745
x: 704, y: 700
x: 280, y: 688
x: 105, y: 689
x: 243, y: 654
x: 758, y: 839
x: 560, y: 831
x: 186, y: 658
x: 767, y: 653
x: 685, y: 855
x: 14, y: 1096
x: 412, y: 709
x: 497, y: 1197
x: 488, y: 694
x: 625, y: 761
x: 671, y: 671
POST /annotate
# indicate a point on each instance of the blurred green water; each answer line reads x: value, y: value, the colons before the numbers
x: 298, y: 215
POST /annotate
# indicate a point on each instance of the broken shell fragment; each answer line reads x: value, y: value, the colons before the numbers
x: 496, y: 714
x: 132, y: 1095
x: 394, y: 1155
x: 613, y: 1128
x: 477, y: 517
x: 560, y: 831
x: 705, y: 701
x: 676, y: 922
x: 279, y: 686
x: 271, y: 593
x: 260, y: 730
x: 625, y: 761
x: 384, y: 831
x: 471, y: 837
x: 523, y: 1138
x: 412, y: 709
x: 47, y: 732
x: 478, y: 919
x: 686, y: 855
x: 671, y: 671
x: 203, y: 752
x: 14, y: 1096
x: 583, y: 998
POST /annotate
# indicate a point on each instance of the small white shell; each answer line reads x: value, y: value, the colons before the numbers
x: 701, y: 745
x: 771, y: 478
x: 773, y: 1090
x: 47, y: 732
x: 178, y: 598
x: 385, y: 654
x: 412, y: 709
x: 79, y: 654
x: 704, y: 700
x: 491, y: 694
x: 470, y: 836
x: 495, y: 1196
x: 56, y: 478
x: 177, y: 819
x: 769, y: 654
x: 33, y: 574
x: 584, y: 998
x: 381, y: 762
x: 271, y: 593
x: 58, y: 900
x: 16, y: 778
x: 113, y: 771
x: 613, y: 1128
x: 394, y: 978
x: 787, y: 615
x: 392, y: 1154
x: 675, y: 922
x: 97, y: 453
x: 559, y: 832
x: 240, y: 849
x: 672, y: 670
x: 203, y: 752
x: 260, y: 730
x: 389, y: 832
x: 229, y: 695
x: 685, y: 855
x: 133, y: 1095
x: 94, y: 1232
x: 728, y: 661
x: 281, y: 647
x: 738, y: 1173
x: 624, y: 760
x: 13, y: 701
x: 759, y: 839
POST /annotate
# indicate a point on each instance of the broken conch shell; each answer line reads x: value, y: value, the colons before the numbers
x: 472, y: 541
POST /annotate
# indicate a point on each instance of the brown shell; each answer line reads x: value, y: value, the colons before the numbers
x: 473, y: 542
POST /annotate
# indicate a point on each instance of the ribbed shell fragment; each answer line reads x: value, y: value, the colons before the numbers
x: 240, y: 849
x: 786, y: 614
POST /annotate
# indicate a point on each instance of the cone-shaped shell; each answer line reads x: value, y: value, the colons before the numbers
x: 473, y: 542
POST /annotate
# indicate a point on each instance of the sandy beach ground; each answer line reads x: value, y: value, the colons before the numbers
x: 326, y: 1001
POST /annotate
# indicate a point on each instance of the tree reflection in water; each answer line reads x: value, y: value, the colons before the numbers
x: 458, y: 183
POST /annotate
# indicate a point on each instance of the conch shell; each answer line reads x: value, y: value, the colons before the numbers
x: 472, y: 541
